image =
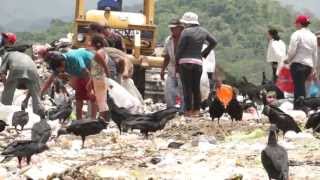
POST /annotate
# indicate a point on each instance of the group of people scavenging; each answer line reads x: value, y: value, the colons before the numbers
x: 84, y: 69
x: 189, y: 49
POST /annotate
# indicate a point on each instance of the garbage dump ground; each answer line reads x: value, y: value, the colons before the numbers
x: 208, y: 151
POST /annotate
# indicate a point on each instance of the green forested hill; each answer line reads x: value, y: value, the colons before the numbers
x: 240, y: 27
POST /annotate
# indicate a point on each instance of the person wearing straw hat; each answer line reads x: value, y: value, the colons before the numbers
x: 189, y: 57
x: 302, y: 56
x: 173, y: 83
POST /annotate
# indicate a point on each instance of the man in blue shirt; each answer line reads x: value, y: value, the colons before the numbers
x: 74, y: 63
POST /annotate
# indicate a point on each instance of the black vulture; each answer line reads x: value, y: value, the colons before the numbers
x: 23, y: 149
x: 312, y: 103
x: 150, y: 122
x: 283, y: 121
x: 84, y: 128
x: 249, y: 89
x: 314, y: 122
x: 235, y: 110
x: 2, y: 125
x: 41, y: 131
x: 274, y: 157
x: 20, y: 118
x: 264, y: 79
x: 62, y: 112
x: 216, y: 108
x: 118, y: 114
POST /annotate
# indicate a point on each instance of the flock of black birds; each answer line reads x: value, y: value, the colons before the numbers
x: 41, y: 131
x: 274, y: 157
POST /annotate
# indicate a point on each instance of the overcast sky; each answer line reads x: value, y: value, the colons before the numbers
x: 23, y: 15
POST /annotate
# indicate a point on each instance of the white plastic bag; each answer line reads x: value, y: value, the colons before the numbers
x: 123, y: 98
x: 128, y: 84
x: 204, y: 85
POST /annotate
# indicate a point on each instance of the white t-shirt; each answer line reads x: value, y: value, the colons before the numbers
x: 303, y: 48
x: 276, y: 51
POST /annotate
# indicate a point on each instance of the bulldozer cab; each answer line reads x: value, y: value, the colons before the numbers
x: 137, y: 29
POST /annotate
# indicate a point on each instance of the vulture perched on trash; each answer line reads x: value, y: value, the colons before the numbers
x: 314, y: 122
x: 62, y: 112
x: 23, y: 149
x: 41, y: 131
x: 274, y: 157
x: 216, y: 108
x: 150, y: 122
x: 20, y: 118
x: 283, y: 121
x: 235, y: 110
x: 118, y: 115
x: 312, y: 103
x: 3, y: 125
x: 83, y: 128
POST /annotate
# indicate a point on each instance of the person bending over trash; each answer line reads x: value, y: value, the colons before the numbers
x: 23, y: 74
x: 98, y: 73
x: 74, y: 63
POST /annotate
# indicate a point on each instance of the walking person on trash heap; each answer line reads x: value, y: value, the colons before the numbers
x: 23, y: 74
x: 189, y: 60
x: 276, y: 52
x: 74, y: 64
x: 98, y: 74
x: 302, y: 56
x: 173, y: 87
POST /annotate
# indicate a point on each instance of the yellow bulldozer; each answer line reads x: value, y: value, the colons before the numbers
x: 137, y: 29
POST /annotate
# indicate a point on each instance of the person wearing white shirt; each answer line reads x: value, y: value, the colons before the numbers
x: 209, y: 66
x: 276, y: 52
x: 173, y: 86
x: 302, y: 56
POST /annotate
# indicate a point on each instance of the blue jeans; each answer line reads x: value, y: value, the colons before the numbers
x: 173, y: 88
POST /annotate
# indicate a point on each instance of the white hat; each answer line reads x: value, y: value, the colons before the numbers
x: 190, y: 18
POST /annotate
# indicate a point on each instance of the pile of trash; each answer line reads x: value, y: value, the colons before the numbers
x: 187, y: 148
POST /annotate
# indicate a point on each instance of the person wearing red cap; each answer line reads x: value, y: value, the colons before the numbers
x: 7, y: 39
x: 302, y: 56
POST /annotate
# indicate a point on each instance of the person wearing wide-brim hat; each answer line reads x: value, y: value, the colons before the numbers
x: 189, y: 57
x: 173, y: 87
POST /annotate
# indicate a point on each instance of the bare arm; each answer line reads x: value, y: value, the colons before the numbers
x: 100, y: 58
x: 212, y: 44
x: 164, y: 65
x: 47, y: 84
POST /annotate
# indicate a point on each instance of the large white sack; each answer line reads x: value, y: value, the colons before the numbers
x: 123, y: 98
x: 129, y: 85
x: 204, y: 85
